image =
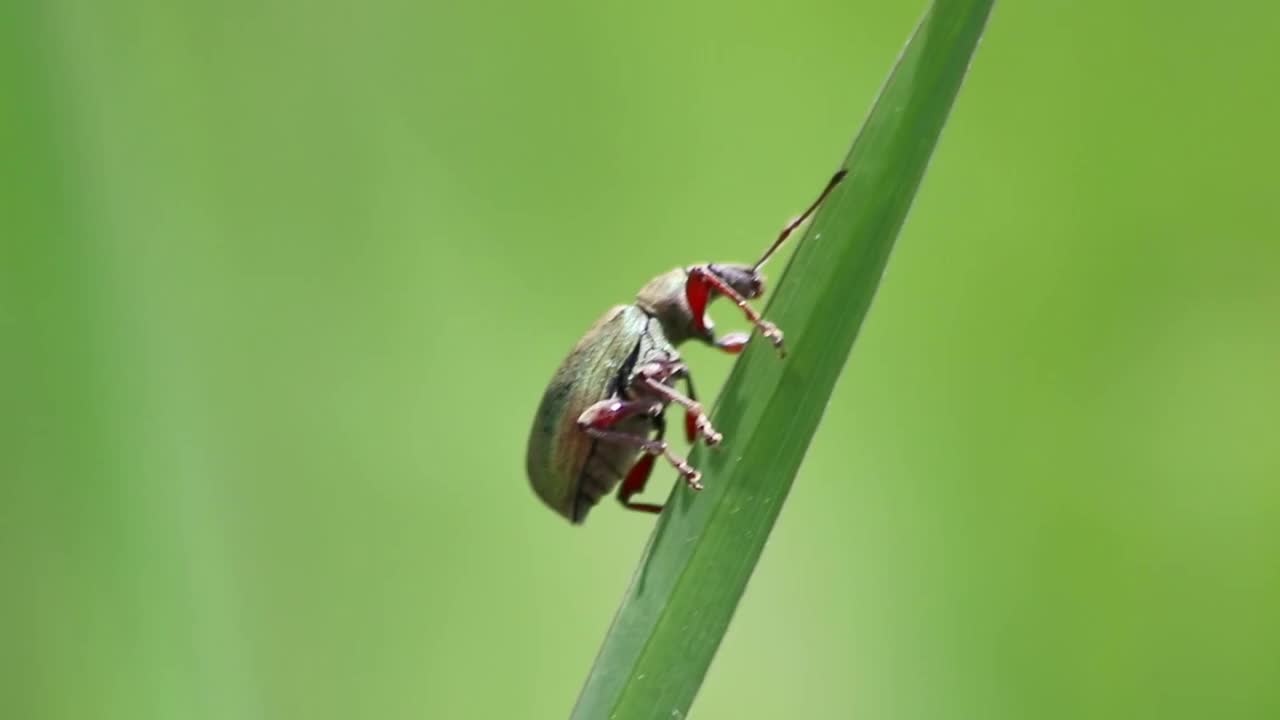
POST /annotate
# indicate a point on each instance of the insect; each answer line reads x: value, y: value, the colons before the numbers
x: 600, y: 424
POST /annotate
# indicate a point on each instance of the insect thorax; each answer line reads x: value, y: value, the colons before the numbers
x: 663, y: 298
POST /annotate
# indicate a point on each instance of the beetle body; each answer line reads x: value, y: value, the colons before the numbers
x: 600, y: 422
x: 569, y: 469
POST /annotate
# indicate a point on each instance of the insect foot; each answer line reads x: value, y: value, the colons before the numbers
x: 687, y: 471
x: 773, y: 335
x: 709, y: 434
x: 691, y: 477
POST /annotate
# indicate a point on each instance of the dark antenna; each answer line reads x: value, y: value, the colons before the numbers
x: 831, y: 184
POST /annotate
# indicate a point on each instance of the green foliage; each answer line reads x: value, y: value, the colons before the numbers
x: 705, y: 547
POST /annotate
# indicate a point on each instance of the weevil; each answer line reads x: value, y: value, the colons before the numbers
x: 600, y: 424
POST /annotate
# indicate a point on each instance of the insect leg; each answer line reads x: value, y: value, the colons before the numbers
x: 608, y: 413
x: 690, y: 422
x: 733, y: 343
x: 639, y: 475
x: 634, y: 483
x: 698, y: 292
x: 696, y: 421
x: 649, y: 447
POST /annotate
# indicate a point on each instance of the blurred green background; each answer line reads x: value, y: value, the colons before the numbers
x: 280, y: 286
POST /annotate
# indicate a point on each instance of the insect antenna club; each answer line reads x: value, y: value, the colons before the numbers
x: 600, y: 424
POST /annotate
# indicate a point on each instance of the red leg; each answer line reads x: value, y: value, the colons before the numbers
x: 649, y: 447
x: 607, y: 413
x: 596, y: 420
x: 634, y: 484
x: 733, y: 343
x: 696, y: 421
x: 698, y: 293
x: 651, y: 379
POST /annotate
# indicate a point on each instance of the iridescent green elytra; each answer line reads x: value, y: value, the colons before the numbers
x: 569, y: 469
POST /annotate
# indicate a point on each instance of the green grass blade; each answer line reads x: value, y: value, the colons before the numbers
x: 705, y: 546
